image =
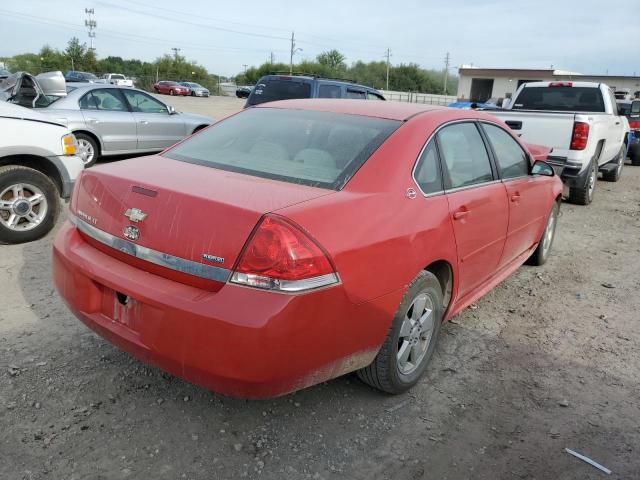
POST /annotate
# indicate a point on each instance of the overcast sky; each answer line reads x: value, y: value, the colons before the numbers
x: 586, y: 36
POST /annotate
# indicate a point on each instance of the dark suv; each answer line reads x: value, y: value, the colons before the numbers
x: 286, y: 87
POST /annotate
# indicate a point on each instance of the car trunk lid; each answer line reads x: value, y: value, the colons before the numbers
x: 177, y: 219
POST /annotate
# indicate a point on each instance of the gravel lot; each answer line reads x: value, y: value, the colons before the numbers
x: 547, y: 360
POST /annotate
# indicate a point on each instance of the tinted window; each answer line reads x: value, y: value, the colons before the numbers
x: 563, y: 99
x: 103, y: 100
x: 271, y: 90
x: 466, y: 161
x: 141, y: 102
x: 330, y: 91
x: 320, y: 149
x: 117, y: 77
x: 356, y: 94
x: 427, y: 173
x: 512, y: 160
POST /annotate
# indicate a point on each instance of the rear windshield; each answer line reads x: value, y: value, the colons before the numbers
x: 117, y: 77
x: 319, y: 149
x: 279, y: 89
x: 560, y: 99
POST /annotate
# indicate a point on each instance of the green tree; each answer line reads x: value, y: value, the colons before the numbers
x: 332, y: 59
x: 75, y: 51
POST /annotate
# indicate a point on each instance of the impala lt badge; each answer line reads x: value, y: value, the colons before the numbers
x: 135, y: 215
x: 131, y: 232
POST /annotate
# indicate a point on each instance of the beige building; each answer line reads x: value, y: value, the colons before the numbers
x: 480, y: 84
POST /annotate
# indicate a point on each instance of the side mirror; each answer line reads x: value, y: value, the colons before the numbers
x: 171, y: 110
x: 542, y: 168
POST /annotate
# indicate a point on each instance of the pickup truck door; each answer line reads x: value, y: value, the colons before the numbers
x: 477, y: 204
x: 527, y: 194
x: 106, y: 113
x: 614, y: 129
x: 157, y: 129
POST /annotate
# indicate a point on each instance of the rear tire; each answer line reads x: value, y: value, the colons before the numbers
x: 541, y: 253
x: 414, y: 329
x: 584, y: 195
x: 29, y: 204
x: 634, y: 155
x: 614, y: 175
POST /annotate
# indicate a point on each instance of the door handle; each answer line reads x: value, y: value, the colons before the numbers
x: 460, y: 214
x: 93, y: 120
x: 515, y: 197
x: 144, y: 122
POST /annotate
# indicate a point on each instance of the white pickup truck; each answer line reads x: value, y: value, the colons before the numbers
x: 117, y: 79
x: 580, y: 121
x: 38, y: 165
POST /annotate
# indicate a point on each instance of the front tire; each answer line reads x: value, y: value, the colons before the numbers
x: 411, y: 340
x: 29, y: 204
x: 541, y: 253
x: 614, y: 175
x: 88, y: 149
x: 583, y: 195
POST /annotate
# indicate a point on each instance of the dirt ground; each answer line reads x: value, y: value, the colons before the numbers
x: 548, y: 360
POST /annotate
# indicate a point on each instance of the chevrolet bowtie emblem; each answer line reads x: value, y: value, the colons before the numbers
x: 135, y: 215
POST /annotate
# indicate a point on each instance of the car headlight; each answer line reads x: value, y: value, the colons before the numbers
x: 69, y: 144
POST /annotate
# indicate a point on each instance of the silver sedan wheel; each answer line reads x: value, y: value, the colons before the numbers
x: 22, y: 207
x: 85, y: 151
x: 415, y: 333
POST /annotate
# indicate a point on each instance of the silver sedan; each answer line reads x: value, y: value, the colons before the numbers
x: 111, y: 120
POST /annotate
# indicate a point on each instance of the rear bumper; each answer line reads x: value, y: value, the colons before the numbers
x: 237, y: 341
x: 572, y: 173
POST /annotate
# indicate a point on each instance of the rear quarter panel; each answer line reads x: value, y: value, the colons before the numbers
x: 378, y: 238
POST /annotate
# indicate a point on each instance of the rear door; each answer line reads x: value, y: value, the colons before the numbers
x: 156, y: 128
x: 106, y: 112
x: 477, y: 203
x: 528, y: 195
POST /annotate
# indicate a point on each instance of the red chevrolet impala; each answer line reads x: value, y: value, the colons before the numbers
x: 301, y: 240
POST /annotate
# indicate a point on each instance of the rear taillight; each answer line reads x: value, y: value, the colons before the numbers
x: 561, y: 84
x: 580, y: 136
x: 281, y: 256
x: 635, y: 125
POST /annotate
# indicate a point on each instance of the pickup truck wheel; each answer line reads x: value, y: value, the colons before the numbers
x: 614, y: 175
x: 411, y: 340
x: 634, y: 154
x: 87, y: 149
x: 584, y: 195
x: 541, y: 253
x: 29, y: 204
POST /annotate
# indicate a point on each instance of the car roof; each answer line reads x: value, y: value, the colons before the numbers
x: 390, y: 110
x: 311, y: 79
x: 573, y: 83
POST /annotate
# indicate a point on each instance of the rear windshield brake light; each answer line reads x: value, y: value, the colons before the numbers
x: 561, y: 84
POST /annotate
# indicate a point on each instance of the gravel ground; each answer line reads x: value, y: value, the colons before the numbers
x: 547, y: 361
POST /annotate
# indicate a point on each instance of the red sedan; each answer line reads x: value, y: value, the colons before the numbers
x: 171, y: 88
x: 301, y: 240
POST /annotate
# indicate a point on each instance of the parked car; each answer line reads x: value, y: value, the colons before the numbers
x: 28, y: 91
x: 196, y: 89
x: 631, y: 110
x: 38, y: 165
x: 580, y: 121
x: 117, y: 79
x: 74, y: 76
x: 243, y: 92
x: 492, y: 103
x: 273, y: 232
x: 4, y: 73
x: 284, y: 87
x: 171, y: 88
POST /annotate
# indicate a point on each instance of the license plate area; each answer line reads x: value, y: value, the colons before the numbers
x: 120, y: 308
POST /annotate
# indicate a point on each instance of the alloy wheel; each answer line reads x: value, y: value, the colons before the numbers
x: 549, y: 231
x: 415, y: 334
x: 22, y: 207
x: 85, y: 151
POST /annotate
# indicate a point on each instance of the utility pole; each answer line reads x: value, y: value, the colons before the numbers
x: 447, y: 60
x: 176, y: 50
x: 388, y: 55
x: 272, y: 58
x: 91, y: 25
x: 245, y: 67
x: 293, y: 51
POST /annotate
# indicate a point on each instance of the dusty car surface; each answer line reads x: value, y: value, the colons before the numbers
x: 113, y: 120
x: 301, y: 240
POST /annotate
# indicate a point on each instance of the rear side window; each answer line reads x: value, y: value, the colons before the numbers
x: 466, y: 161
x: 272, y: 90
x: 320, y: 149
x: 512, y: 160
x: 330, y: 91
x: 561, y: 99
x: 103, y: 100
x: 427, y: 172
